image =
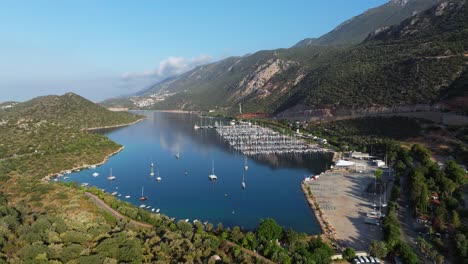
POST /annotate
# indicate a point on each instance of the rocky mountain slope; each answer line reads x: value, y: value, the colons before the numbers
x: 356, y: 29
x: 420, y: 61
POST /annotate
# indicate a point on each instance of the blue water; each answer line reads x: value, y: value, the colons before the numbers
x: 272, y: 182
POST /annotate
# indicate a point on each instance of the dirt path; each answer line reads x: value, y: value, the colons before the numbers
x: 101, y: 204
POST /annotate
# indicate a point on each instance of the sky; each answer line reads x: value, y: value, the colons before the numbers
x: 107, y: 48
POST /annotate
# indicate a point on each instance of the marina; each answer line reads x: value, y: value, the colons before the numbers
x: 251, y: 139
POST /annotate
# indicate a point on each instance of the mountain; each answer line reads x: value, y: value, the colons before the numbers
x: 356, y: 29
x: 421, y: 61
x: 399, y: 67
x: 69, y: 110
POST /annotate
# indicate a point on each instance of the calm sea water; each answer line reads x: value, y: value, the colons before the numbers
x: 272, y: 182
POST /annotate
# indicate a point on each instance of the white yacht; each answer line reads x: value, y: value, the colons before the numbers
x: 111, y: 177
x: 212, y: 176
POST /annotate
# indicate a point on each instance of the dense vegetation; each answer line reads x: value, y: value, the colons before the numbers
x: 360, y: 133
x: 69, y: 110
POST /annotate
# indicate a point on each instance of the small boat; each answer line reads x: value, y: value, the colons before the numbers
x: 157, y: 210
x: 158, y: 178
x: 92, y: 166
x: 148, y: 207
x: 142, y: 206
x: 55, y: 180
x: 84, y: 184
x: 152, y: 210
x: 68, y: 172
x: 196, y: 127
x: 111, y: 177
x: 66, y: 177
x: 246, y: 167
x: 177, y: 156
x: 142, y: 198
x: 95, y: 174
x: 212, y: 176
x: 186, y: 220
x: 119, y: 195
x: 243, y: 181
x: 152, y: 172
x: 114, y: 193
x: 127, y: 196
x: 186, y: 172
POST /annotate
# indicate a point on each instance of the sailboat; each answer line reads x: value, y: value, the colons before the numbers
x: 142, y: 198
x: 152, y: 164
x: 246, y: 167
x: 177, y: 155
x: 212, y: 176
x: 158, y: 178
x: 111, y: 177
x: 243, y: 181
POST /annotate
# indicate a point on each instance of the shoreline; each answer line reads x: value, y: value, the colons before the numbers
x: 328, y: 232
x: 50, y: 176
x: 113, y: 126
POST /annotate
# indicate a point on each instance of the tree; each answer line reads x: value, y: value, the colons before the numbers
x: 456, y: 219
x: 378, y: 174
x: 455, y: 172
x: 269, y: 230
x: 349, y: 253
x: 378, y: 249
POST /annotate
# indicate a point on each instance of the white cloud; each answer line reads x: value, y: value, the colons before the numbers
x: 170, y: 67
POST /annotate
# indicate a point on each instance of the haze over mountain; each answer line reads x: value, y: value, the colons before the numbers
x: 380, y: 72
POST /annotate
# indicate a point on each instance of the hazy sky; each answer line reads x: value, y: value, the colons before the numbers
x: 100, y: 49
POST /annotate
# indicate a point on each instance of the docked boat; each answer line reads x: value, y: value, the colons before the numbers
x: 84, y: 184
x: 142, y: 206
x: 152, y: 210
x: 95, y: 174
x: 157, y: 210
x: 196, y: 127
x: 142, y: 198
x: 66, y: 178
x: 127, y: 196
x: 212, y: 176
x: 114, y: 193
x: 111, y: 177
x: 92, y: 166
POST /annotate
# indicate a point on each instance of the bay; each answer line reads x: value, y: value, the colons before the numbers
x: 185, y: 192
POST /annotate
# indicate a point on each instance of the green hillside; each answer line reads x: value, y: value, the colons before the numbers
x: 415, y: 62
x: 70, y: 110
